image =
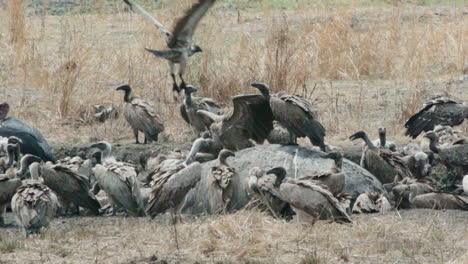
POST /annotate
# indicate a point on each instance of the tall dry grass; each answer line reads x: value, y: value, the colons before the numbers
x: 364, y: 67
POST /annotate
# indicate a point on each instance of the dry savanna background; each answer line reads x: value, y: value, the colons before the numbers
x: 365, y: 64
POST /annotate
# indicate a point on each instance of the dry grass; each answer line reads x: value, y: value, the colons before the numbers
x: 367, y: 67
x: 419, y: 236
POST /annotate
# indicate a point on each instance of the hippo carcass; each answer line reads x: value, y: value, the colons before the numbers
x: 296, y: 160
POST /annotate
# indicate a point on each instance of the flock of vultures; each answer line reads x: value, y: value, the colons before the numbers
x: 228, y: 167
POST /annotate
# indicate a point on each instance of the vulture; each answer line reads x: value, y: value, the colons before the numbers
x: 179, y: 41
x: 210, y: 150
x: 167, y: 167
x: 371, y: 203
x: 251, y: 118
x: 333, y: 179
x: 70, y: 186
x: 296, y: 114
x: 141, y: 116
x: 438, y: 201
x: 190, y: 106
x: 382, y: 163
x: 119, y: 181
x: 454, y: 157
x: 9, y: 160
x: 220, y: 187
x: 33, y: 141
x: 11, y: 181
x: 419, y: 164
x: 436, y: 111
x: 265, y: 186
x: 309, y: 200
x: 34, y: 204
x: 404, y: 188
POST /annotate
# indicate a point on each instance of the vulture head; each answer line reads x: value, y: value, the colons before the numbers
x: 188, y: 89
x: 195, y: 48
x: 97, y: 155
x: 224, y: 154
x: 14, y: 140
x: 4, y: 109
x: 337, y: 157
x: 434, y: 139
x: 361, y: 134
x: 280, y: 174
x: 27, y: 160
x: 104, y: 146
x: 264, y: 89
x: 12, y: 154
x: 422, y: 163
x: 128, y: 90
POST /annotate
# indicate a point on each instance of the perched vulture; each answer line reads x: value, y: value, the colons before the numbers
x: 382, y: 163
x: 251, y: 118
x: 296, y: 114
x: 436, y: 111
x: 179, y: 41
x: 220, y: 189
x: 141, y: 116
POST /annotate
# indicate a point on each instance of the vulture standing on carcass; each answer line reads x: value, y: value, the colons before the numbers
x: 454, y: 157
x: 179, y: 41
x: 34, y: 204
x: 172, y: 182
x: 33, y: 141
x: 220, y: 178
x: 309, y: 199
x: 119, y: 181
x: 437, y: 111
x: 141, y: 116
x: 70, y: 186
x: 251, y: 118
x: 382, y: 163
x: 296, y: 114
x: 190, y: 106
x: 334, y: 179
x: 11, y: 181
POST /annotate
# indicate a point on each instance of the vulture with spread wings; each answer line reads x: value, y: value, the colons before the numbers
x: 179, y: 41
x: 251, y: 118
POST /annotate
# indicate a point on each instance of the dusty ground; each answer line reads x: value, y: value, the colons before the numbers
x: 414, y: 236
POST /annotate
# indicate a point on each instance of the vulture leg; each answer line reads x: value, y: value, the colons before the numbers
x: 183, y: 63
x: 182, y: 85
x: 146, y: 140
x: 96, y: 188
x: 292, y: 138
x: 2, y: 213
x: 175, y: 87
x: 135, y: 133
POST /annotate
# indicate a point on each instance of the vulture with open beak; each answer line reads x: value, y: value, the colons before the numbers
x: 179, y: 41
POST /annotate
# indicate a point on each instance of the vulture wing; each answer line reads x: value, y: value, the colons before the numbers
x: 298, y: 115
x: 137, y: 9
x: 185, y: 27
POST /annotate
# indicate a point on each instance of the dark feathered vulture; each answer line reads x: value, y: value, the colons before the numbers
x: 437, y: 111
x: 296, y: 114
x: 33, y: 141
x: 191, y: 105
x: 141, y: 116
x: 179, y: 41
x: 384, y: 164
x: 251, y: 118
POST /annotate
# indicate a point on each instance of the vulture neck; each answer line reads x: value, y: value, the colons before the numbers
x: 187, y: 98
x: 106, y: 153
x: 193, y: 152
x: 128, y: 96
x: 34, y: 169
x: 11, y: 156
x: 222, y: 160
x: 383, y: 140
x: 433, y: 145
x: 369, y: 143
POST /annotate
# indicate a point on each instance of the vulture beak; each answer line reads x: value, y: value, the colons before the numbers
x: 124, y: 87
